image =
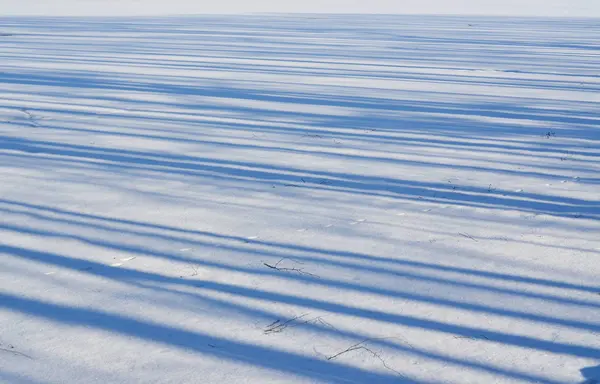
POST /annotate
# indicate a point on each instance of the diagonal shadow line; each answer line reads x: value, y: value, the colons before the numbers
x: 280, y: 67
x: 257, y: 47
x: 277, y: 360
x: 261, y: 252
x: 64, y: 261
x: 435, y: 138
x: 404, y: 189
x: 93, y: 268
x: 326, y: 152
x: 264, y: 171
x: 371, y: 103
x: 432, y: 125
x: 330, y: 252
x: 367, y: 185
x: 306, y: 61
x: 284, y: 67
x: 404, y: 347
x: 410, y: 349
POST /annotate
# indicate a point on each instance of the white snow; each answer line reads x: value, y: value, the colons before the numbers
x: 300, y: 199
x: 561, y: 8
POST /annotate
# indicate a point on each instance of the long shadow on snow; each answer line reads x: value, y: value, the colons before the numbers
x: 91, y: 267
x: 177, y: 234
x: 278, y: 360
x: 138, y: 277
x: 307, y: 179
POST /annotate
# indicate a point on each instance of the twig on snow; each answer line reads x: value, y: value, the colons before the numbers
x: 284, y: 269
x: 195, y: 269
x: 469, y: 237
x: 361, y: 345
x: 277, y: 326
x: 16, y: 353
x: 476, y: 337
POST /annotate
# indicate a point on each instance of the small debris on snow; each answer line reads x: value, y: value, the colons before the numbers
x: 468, y: 236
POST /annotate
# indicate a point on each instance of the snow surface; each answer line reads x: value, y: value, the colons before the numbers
x: 562, y: 8
x: 299, y: 199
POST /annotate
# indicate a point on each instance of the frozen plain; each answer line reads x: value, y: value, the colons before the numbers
x: 299, y: 199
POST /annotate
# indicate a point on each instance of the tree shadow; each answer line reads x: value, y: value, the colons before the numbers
x: 343, y: 109
x: 206, y: 344
x: 591, y: 374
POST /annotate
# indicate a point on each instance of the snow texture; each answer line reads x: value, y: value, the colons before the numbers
x: 548, y: 8
x: 300, y: 199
